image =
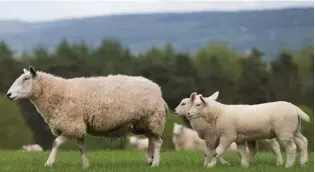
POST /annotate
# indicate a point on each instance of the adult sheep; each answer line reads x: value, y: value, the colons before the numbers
x: 100, y: 106
x: 241, y: 123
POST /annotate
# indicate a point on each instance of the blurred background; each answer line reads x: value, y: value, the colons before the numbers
x: 250, y: 51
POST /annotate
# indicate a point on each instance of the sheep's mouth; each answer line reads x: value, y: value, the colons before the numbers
x: 12, y: 98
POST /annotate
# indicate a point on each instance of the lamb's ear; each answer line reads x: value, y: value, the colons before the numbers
x: 193, y: 96
x: 25, y: 70
x: 214, y: 96
x: 33, y: 72
x: 203, y: 100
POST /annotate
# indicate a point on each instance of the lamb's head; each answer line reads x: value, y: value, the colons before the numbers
x: 22, y: 86
x: 201, y: 105
x: 184, y: 106
x: 177, y: 129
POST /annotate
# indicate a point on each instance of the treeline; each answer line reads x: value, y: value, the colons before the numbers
x: 240, y: 78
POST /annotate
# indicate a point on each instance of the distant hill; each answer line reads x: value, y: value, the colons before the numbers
x: 266, y: 29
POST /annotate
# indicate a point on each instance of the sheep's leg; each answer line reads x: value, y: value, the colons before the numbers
x: 85, y: 161
x: 52, y: 156
x: 225, y: 143
x: 290, y: 149
x: 150, y: 150
x: 241, y: 147
x: 301, y: 142
x: 208, y: 155
x: 157, y: 142
x: 275, y: 147
x: 252, y: 149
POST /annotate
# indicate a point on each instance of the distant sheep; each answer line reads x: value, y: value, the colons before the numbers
x: 187, y: 139
x: 138, y: 143
x: 33, y: 147
x: 241, y: 123
x: 101, y: 106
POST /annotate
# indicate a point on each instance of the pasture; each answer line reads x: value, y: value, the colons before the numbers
x: 128, y: 160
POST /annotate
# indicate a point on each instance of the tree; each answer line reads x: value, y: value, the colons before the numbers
x: 285, y: 79
x: 253, y: 83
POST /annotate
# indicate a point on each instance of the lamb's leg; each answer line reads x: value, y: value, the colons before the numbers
x: 290, y: 149
x: 241, y: 147
x: 225, y: 143
x: 252, y: 149
x: 157, y: 142
x: 208, y: 155
x: 85, y: 161
x: 52, y: 156
x: 301, y: 142
x: 150, y: 150
x: 275, y: 147
x: 209, y: 151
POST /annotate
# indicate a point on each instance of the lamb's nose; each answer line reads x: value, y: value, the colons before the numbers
x: 8, y: 95
x: 188, y: 113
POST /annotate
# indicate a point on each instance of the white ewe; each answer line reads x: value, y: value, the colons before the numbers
x: 101, y: 106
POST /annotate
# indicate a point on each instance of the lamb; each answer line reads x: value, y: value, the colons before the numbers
x: 187, y: 139
x: 251, y: 146
x: 202, y: 127
x: 241, y: 123
x: 139, y: 144
x: 101, y: 106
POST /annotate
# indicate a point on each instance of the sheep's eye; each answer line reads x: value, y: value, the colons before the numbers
x: 183, y: 104
x: 26, y: 78
x: 197, y: 104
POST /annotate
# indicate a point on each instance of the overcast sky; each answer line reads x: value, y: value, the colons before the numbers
x: 50, y: 10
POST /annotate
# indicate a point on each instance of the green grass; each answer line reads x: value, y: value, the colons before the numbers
x: 125, y: 161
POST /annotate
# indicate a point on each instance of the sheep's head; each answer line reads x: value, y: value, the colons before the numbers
x: 184, y: 106
x: 200, y: 103
x: 177, y: 129
x: 22, y: 86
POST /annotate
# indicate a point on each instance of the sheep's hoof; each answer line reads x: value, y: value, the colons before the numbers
x: 279, y: 163
x: 304, y: 165
x: 245, y: 165
x: 86, y: 166
x: 49, y: 164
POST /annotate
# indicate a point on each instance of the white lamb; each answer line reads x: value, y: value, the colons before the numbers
x: 101, y: 106
x: 241, y: 123
x: 251, y: 146
x: 187, y: 139
x: 138, y: 143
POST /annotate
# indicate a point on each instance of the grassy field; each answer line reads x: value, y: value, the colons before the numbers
x: 125, y: 161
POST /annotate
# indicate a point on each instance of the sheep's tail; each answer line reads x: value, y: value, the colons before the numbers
x: 303, y: 115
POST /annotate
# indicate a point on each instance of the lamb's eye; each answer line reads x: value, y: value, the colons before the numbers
x: 197, y: 104
x: 183, y: 104
x: 26, y: 78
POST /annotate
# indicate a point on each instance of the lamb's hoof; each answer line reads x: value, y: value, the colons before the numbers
x: 154, y: 164
x: 49, y: 164
x: 304, y: 164
x: 211, y: 164
x: 280, y: 163
x: 85, y: 166
x: 244, y: 165
x: 288, y: 165
x: 150, y: 163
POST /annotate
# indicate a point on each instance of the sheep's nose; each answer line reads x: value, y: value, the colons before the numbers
x: 188, y: 113
x: 8, y: 95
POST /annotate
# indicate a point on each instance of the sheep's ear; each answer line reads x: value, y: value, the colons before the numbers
x: 25, y: 70
x: 33, y: 72
x: 214, y: 96
x: 203, y: 100
x: 193, y: 96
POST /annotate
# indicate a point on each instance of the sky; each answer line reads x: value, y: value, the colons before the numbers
x: 54, y: 10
